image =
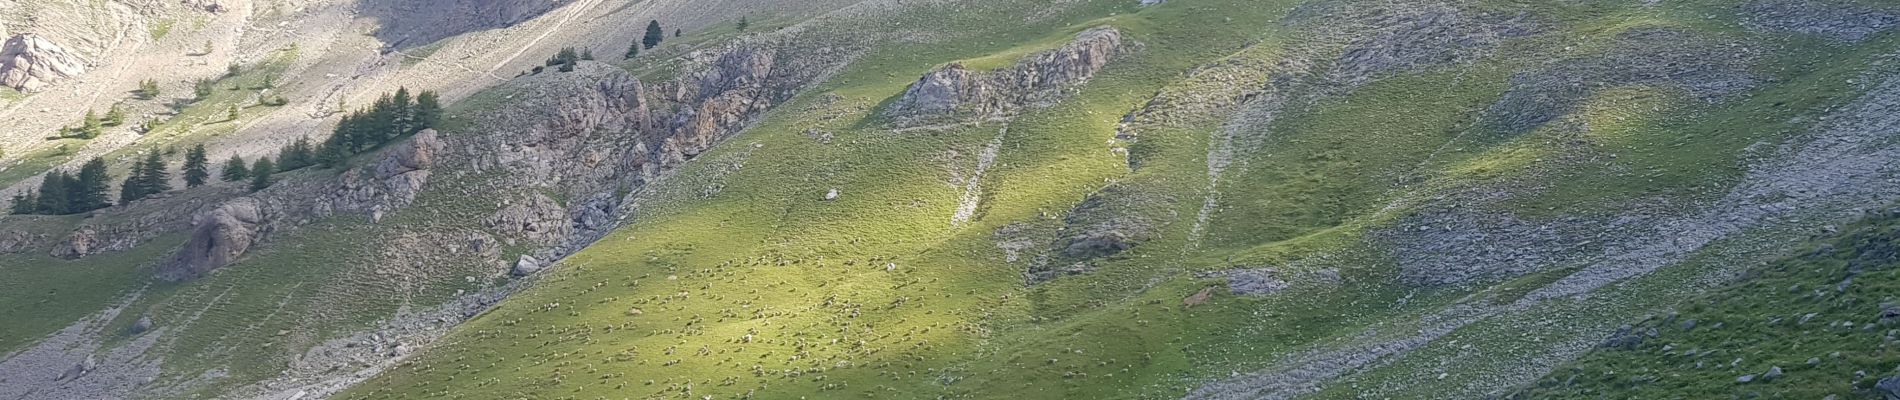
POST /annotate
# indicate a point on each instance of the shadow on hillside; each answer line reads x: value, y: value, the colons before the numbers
x: 407, y: 24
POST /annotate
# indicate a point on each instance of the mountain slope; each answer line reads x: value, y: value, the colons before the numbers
x: 1082, y: 199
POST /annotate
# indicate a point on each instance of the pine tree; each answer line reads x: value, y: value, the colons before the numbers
x: 297, y: 155
x: 231, y: 113
x: 54, y: 199
x: 153, y: 179
x: 654, y: 35
x: 260, y: 173
x: 148, y: 89
x: 587, y: 54
x: 234, y: 170
x: 633, y: 51
x: 25, y: 203
x: 131, y: 189
x: 201, y: 88
x: 428, y: 110
x: 404, y: 113
x: 114, y: 116
x: 91, y: 127
x: 88, y: 189
x: 678, y: 33
x: 743, y: 23
x: 196, y: 172
x: 330, y: 156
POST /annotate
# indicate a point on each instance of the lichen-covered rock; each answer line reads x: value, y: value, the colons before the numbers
x: 29, y: 62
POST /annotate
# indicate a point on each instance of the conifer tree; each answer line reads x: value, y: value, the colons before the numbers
x: 260, y: 173
x: 54, y: 199
x: 234, y: 170
x: 152, y: 177
x: 632, y: 51
x: 87, y: 191
x: 654, y: 34
x: 91, y: 127
x: 330, y: 156
x: 25, y: 203
x: 131, y: 190
x: 148, y: 89
x: 196, y: 170
x: 201, y: 88
x: 297, y: 155
x: 403, y: 112
x: 114, y: 116
x: 743, y: 23
x: 428, y: 110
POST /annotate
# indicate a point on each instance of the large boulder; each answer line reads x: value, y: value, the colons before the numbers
x: 218, y: 238
x: 29, y: 62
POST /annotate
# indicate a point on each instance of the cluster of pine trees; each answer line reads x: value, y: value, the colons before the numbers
x: 62, y: 193
x: 389, y: 118
x: 568, y: 57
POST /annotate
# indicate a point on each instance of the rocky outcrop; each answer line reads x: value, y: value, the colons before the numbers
x: 30, y: 62
x: 223, y: 233
x: 954, y: 93
x: 218, y: 237
x: 80, y: 243
x: 18, y: 241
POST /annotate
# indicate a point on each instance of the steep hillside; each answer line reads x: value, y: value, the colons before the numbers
x: 1205, y: 199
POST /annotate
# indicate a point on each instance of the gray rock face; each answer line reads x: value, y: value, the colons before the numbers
x: 30, y: 62
x: 954, y: 93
